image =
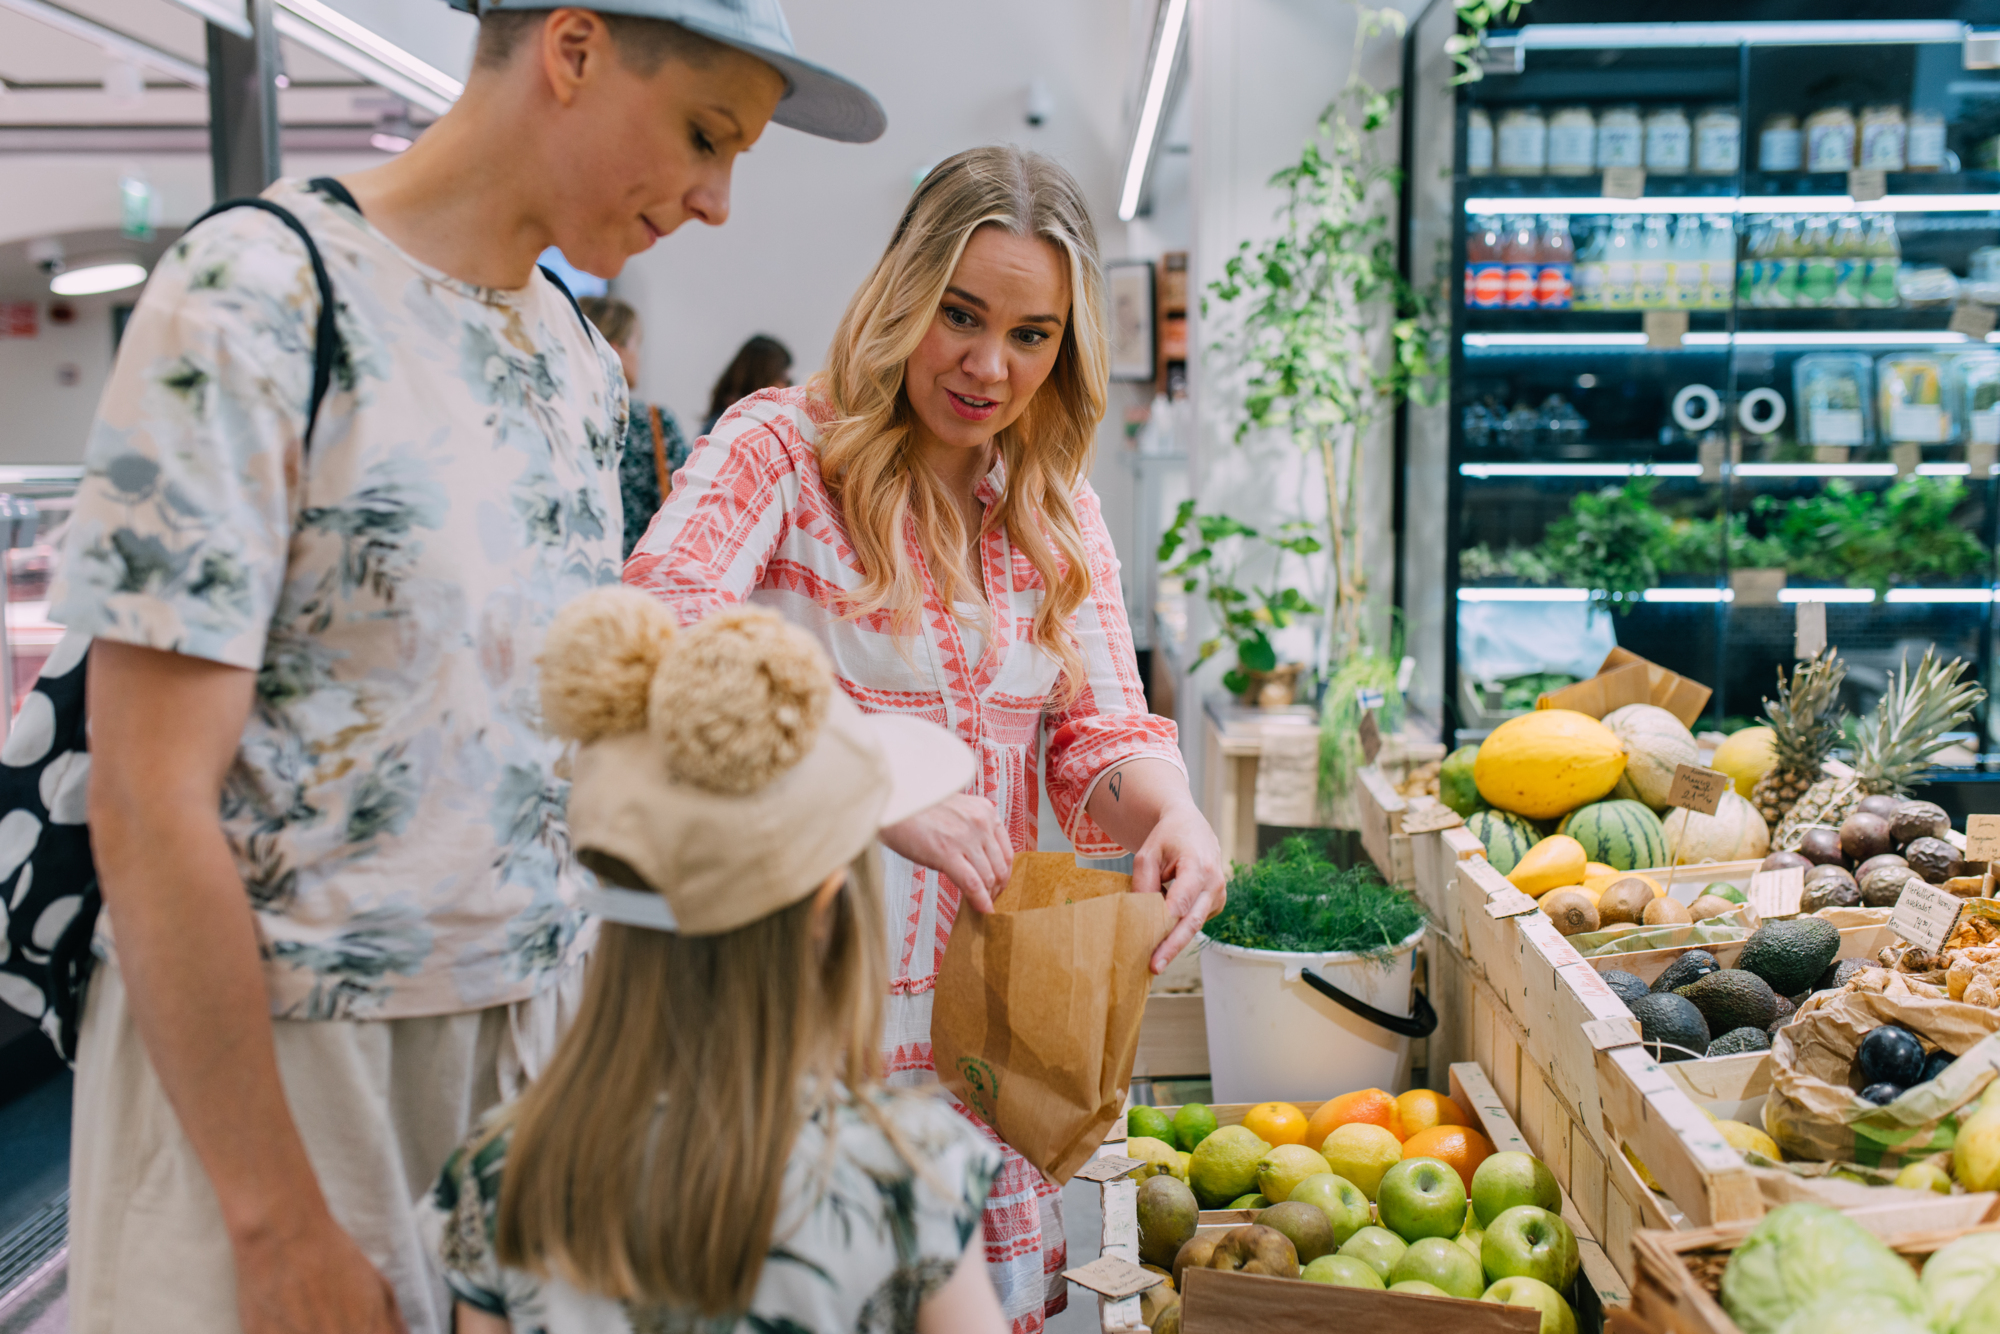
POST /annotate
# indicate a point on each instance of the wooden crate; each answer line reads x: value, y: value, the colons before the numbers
x: 1668, y: 1296
x: 1469, y: 1086
x: 1379, y: 810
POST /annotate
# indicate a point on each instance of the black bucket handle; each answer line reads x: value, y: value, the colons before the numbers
x: 1421, y: 1023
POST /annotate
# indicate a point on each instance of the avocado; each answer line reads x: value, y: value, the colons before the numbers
x: 1670, y: 1027
x: 1626, y: 986
x: 1730, y: 998
x: 1737, y: 1041
x: 1685, y: 970
x: 1839, y: 973
x: 1792, y: 954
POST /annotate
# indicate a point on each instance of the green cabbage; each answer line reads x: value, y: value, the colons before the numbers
x: 1957, y: 1272
x: 1855, y: 1315
x: 1802, y: 1255
x: 1981, y: 1312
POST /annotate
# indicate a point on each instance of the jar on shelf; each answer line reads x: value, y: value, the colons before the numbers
x: 1718, y: 141
x: 1916, y: 407
x: 1522, y: 142
x: 1478, y: 143
x: 1781, y: 146
x: 1830, y: 135
x: 1572, y: 142
x: 1621, y: 138
x: 1830, y: 392
x: 1884, y: 133
x: 1924, y: 145
x: 1669, y: 142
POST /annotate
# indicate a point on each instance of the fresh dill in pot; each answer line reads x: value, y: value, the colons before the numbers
x: 1295, y: 900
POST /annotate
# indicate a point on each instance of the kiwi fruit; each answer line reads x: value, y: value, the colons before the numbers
x: 1821, y: 846
x: 1864, y: 835
x: 1666, y: 912
x: 1707, y: 906
x: 1918, y: 819
x: 1573, y: 913
x: 1624, y: 901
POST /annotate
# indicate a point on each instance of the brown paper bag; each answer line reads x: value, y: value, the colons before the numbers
x: 1036, y: 1020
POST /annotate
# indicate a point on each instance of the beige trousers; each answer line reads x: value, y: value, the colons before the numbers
x: 379, y: 1104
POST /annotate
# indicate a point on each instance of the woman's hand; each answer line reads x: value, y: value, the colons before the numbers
x: 1182, y: 857
x: 960, y: 837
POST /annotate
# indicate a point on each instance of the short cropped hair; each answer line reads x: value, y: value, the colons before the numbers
x: 643, y: 44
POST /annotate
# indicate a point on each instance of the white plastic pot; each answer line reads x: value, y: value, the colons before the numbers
x: 1274, y: 1032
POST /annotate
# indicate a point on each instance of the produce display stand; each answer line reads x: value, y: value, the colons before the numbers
x: 1669, y: 1294
x: 1599, y: 1286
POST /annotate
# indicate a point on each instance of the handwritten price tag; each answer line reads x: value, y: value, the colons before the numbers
x: 1371, y: 736
x: 1666, y: 328
x: 1697, y: 789
x: 1604, y: 1034
x: 1925, y: 915
x: 1809, y: 629
x: 1867, y: 184
x: 1982, y: 838
x: 1624, y: 182
x: 1511, y: 903
x: 1777, y: 893
x: 1430, y: 819
x: 1108, y: 1167
x: 1974, y: 319
x: 1111, y: 1277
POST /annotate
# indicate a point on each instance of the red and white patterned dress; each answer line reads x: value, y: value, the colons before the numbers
x: 751, y: 521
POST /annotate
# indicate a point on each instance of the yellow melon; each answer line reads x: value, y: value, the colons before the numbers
x: 1554, y: 863
x: 1746, y: 756
x: 1548, y: 762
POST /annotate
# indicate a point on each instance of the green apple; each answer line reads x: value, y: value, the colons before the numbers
x: 1345, y: 1207
x: 1924, y: 1176
x: 1418, y: 1286
x: 1508, y: 1179
x: 1442, y: 1263
x: 1529, y: 1242
x: 1377, y: 1247
x: 1341, y: 1271
x: 1557, y: 1318
x: 1421, y: 1197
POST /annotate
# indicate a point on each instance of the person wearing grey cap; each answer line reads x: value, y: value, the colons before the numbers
x: 318, y: 560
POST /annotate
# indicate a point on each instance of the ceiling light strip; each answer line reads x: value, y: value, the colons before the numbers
x: 1826, y: 595
x: 1813, y: 469
x: 1592, y: 204
x: 329, y: 32
x: 1626, y: 36
x: 1938, y: 596
x: 111, y: 41
x: 1486, y: 470
x: 1146, y: 137
x: 1524, y: 595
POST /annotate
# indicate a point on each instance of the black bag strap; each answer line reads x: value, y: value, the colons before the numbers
x: 563, y: 287
x: 326, y: 337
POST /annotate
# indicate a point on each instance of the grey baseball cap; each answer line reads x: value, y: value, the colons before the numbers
x: 816, y: 100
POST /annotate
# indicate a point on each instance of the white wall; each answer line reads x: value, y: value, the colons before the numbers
x: 45, y: 420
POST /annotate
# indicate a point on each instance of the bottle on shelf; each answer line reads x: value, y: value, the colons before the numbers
x: 1485, y: 275
x: 1718, y: 256
x: 1555, y: 264
x: 1751, y: 278
x: 1519, y: 251
x: 1819, y: 272
x: 1850, y: 262
x: 1655, y: 269
x: 1478, y: 143
x: 1621, y: 265
x: 1687, y: 265
x: 1885, y: 257
x: 1786, y: 265
x: 1588, y: 290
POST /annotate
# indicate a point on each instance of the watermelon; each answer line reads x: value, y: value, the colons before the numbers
x: 1624, y: 835
x: 1507, y: 837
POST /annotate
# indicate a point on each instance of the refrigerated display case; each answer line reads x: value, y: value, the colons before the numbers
x: 1755, y: 371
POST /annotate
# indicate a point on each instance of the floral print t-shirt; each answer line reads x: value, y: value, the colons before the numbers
x: 862, y: 1237
x: 395, y: 809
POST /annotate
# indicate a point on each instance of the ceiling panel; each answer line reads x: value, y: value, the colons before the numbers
x: 157, y: 22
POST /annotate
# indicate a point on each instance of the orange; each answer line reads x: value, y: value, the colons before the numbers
x: 1370, y: 1106
x: 1459, y: 1148
x: 1420, y: 1109
x: 1276, y: 1123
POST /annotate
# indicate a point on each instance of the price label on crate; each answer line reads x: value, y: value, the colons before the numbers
x: 1509, y: 903
x: 1666, y: 328
x: 1697, y: 789
x: 1368, y: 697
x: 1982, y: 838
x: 1974, y: 319
x: 1624, y: 182
x: 1906, y: 454
x: 1108, y: 1167
x: 1777, y: 893
x: 1867, y: 184
x: 1809, y: 629
x: 1925, y: 915
x: 1111, y: 1277
x: 1429, y: 818
x: 1371, y: 736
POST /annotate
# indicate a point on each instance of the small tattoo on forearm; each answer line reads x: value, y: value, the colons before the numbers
x: 1116, y: 780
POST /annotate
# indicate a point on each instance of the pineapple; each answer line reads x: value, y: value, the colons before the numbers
x: 1803, y: 718
x: 1920, y: 705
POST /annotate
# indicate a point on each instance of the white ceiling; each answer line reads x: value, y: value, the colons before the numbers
x: 35, y: 54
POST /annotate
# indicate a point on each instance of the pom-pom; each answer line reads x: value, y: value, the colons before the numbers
x: 739, y: 699
x: 598, y: 662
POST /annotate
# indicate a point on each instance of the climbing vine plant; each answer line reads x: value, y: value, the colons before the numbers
x: 1474, y: 18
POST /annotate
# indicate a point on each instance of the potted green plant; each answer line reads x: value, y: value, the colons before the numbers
x: 1207, y: 553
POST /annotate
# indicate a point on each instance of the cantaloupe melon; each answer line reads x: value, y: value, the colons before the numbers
x: 1544, y: 763
x: 1736, y: 832
x: 1655, y: 742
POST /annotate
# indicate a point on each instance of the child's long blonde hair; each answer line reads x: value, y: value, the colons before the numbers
x: 648, y: 1162
x: 867, y: 453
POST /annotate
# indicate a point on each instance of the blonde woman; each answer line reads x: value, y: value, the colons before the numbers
x: 922, y: 509
x: 710, y: 1147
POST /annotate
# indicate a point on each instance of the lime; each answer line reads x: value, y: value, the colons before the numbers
x: 1193, y: 1123
x: 1150, y: 1122
x: 1224, y: 1166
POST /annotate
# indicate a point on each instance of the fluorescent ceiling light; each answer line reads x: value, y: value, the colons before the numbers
x: 1524, y: 595
x: 1814, y: 469
x: 1944, y: 470
x: 1710, y: 341
x: 1477, y: 340
x: 1579, y: 470
x: 1570, y: 36
x: 1936, y: 595
x: 111, y: 41
x: 324, y: 29
x: 1826, y: 595
x: 90, y: 279
x: 1690, y: 595
x: 1147, y: 134
x: 1485, y: 204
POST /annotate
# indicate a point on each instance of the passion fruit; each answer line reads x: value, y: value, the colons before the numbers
x: 1821, y: 846
x: 1918, y: 819
x: 1864, y: 835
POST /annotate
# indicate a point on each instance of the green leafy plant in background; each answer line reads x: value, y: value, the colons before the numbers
x: 1870, y: 539
x: 1340, y: 754
x: 1474, y: 18
x: 1196, y: 545
x: 1295, y: 899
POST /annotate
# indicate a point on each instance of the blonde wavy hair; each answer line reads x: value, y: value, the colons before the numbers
x: 867, y: 453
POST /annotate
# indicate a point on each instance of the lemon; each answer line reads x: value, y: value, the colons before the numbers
x: 1362, y: 1152
x: 1157, y: 1156
x: 1193, y: 1123
x: 1150, y: 1122
x: 1224, y: 1166
x: 1281, y: 1170
x: 1181, y: 1161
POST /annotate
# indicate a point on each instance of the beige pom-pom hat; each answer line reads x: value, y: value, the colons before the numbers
x: 720, y: 774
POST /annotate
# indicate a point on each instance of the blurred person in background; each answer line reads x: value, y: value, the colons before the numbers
x: 761, y: 363
x: 654, y: 449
